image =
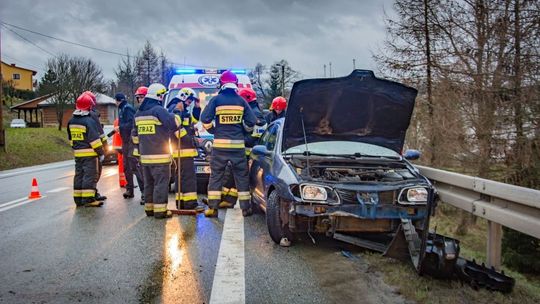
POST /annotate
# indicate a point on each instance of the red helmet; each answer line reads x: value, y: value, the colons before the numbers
x: 141, y: 91
x: 93, y: 96
x: 279, y: 103
x: 228, y: 77
x: 248, y: 94
x: 84, y: 102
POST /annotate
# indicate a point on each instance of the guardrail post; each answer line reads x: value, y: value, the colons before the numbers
x: 494, y: 245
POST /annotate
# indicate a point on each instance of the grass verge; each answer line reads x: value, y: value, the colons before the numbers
x: 473, y: 245
x: 34, y: 146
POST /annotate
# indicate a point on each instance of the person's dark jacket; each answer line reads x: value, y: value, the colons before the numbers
x: 126, y: 121
x: 83, y: 133
x: 154, y: 126
x: 270, y: 117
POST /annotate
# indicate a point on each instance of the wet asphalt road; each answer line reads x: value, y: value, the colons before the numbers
x: 52, y: 252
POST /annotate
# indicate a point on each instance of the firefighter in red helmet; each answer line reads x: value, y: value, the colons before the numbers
x: 279, y: 104
x: 228, y: 117
x: 83, y: 133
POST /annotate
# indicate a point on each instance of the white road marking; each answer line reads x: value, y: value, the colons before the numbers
x: 13, y: 202
x: 20, y: 203
x: 58, y: 189
x: 229, y: 279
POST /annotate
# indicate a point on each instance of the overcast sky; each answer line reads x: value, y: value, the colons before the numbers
x: 238, y: 33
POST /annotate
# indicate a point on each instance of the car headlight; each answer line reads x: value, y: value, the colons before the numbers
x: 313, y: 193
x: 417, y: 195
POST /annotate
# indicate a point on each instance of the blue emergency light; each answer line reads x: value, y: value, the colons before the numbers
x: 185, y: 71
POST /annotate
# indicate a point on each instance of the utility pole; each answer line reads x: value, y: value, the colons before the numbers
x: 354, y: 64
x: 2, y: 131
x: 283, y: 80
x: 330, y: 68
x: 324, y: 65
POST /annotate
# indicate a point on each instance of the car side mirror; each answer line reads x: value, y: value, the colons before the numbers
x: 260, y: 150
x: 412, y: 154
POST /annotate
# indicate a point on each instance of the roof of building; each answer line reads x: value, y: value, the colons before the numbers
x: 46, y: 101
x: 18, y: 67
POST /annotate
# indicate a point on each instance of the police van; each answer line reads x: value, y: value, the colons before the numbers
x: 205, y: 82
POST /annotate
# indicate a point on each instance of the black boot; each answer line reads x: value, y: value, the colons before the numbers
x: 100, y: 197
x: 142, y: 199
x: 247, y: 212
x: 129, y: 193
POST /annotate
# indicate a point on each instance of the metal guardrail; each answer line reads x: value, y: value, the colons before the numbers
x: 501, y: 204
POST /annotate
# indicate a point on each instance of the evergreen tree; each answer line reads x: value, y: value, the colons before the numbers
x: 47, y: 83
x: 148, y: 66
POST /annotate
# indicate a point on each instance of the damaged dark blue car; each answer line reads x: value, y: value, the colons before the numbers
x: 334, y: 165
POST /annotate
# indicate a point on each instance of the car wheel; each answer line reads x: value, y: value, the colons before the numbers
x: 276, y: 228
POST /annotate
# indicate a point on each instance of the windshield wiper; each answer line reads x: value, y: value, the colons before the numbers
x: 357, y: 154
x: 309, y: 153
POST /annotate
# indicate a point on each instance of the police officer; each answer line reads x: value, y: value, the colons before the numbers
x: 279, y: 104
x: 83, y: 132
x: 153, y: 128
x: 232, y: 117
x: 94, y: 113
x: 126, y: 123
x: 229, y: 193
x: 185, y: 120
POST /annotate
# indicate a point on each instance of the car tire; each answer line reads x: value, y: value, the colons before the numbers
x: 273, y: 219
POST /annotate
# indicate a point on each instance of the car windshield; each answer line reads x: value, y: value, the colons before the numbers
x: 343, y: 148
x: 19, y: 121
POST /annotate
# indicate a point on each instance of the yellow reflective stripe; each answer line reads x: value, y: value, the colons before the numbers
x: 244, y: 195
x: 186, y: 153
x: 177, y: 120
x: 88, y: 193
x: 160, y: 207
x: 234, y: 108
x: 156, y: 159
x: 233, y: 112
x: 190, y: 196
x: 96, y: 143
x: 147, y: 120
x: 135, y: 139
x: 214, y: 195
x: 136, y: 152
x: 84, y: 152
x: 183, y: 133
x: 195, y: 120
x: 248, y: 151
x: 77, y: 193
x: 229, y: 143
x: 75, y: 127
x: 148, y: 207
x: 208, y: 125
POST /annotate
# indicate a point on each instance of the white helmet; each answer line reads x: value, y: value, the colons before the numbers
x: 185, y: 93
x: 156, y: 91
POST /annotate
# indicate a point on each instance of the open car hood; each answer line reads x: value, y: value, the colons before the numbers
x: 358, y: 107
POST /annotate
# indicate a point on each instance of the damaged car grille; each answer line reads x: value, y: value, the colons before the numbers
x: 363, y: 197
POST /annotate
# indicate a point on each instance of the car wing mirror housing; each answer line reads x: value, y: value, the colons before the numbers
x: 260, y: 150
x: 412, y: 154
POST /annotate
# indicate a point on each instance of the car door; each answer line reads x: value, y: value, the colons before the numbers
x: 261, y: 165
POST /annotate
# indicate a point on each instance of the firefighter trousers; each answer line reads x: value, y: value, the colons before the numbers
x: 239, y: 169
x: 187, y: 198
x: 229, y: 193
x: 132, y: 167
x: 84, y: 182
x: 156, y: 188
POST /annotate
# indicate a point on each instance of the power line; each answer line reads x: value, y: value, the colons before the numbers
x: 5, y: 24
x: 23, y: 62
x: 27, y: 40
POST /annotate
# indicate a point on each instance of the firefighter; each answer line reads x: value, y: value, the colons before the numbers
x: 187, y: 198
x: 83, y: 133
x: 153, y: 126
x: 229, y: 193
x: 126, y: 117
x: 232, y: 117
x: 94, y: 113
x: 279, y: 104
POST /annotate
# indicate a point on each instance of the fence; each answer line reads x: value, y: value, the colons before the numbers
x: 499, y: 203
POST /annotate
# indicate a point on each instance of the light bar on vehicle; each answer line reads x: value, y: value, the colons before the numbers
x: 207, y: 71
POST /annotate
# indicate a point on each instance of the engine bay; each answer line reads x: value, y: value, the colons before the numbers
x: 351, y: 171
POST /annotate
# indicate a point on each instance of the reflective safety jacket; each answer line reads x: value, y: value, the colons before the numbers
x: 232, y: 117
x: 258, y: 130
x: 186, y: 131
x: 83, y: 133
x: 153, y: 128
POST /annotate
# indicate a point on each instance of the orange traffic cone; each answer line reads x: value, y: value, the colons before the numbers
x: 121, y: 175
x: 35, y: 191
